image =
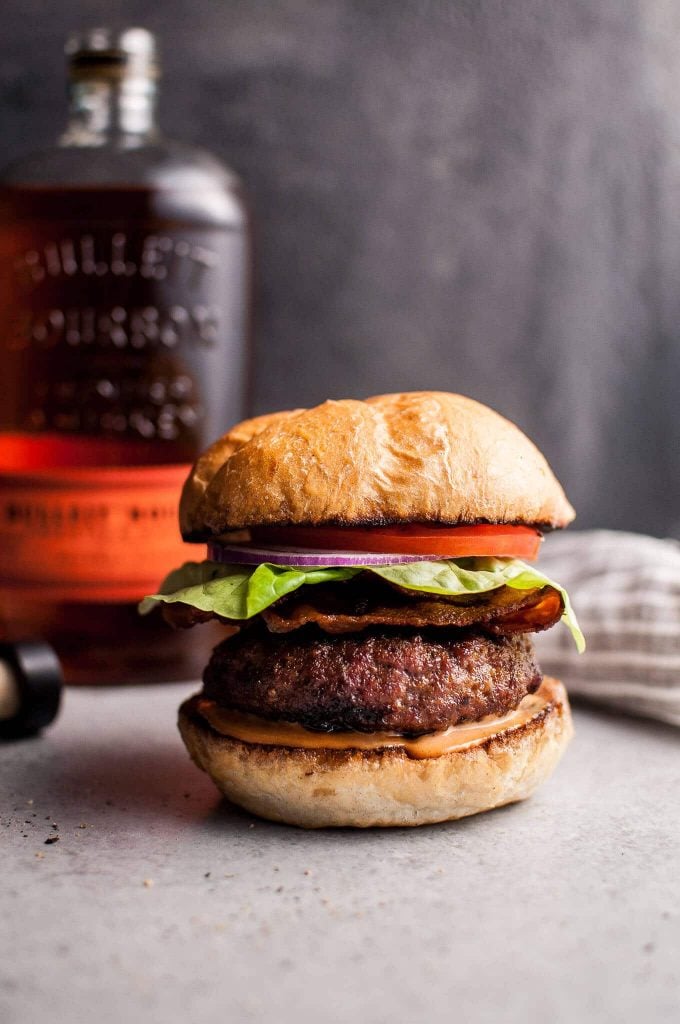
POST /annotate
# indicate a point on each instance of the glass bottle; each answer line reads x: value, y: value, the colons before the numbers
x: 124, y: 293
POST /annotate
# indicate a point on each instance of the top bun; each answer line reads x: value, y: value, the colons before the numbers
x: 422, y: 456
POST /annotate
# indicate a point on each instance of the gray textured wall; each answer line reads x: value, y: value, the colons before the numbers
x: 473, y: 195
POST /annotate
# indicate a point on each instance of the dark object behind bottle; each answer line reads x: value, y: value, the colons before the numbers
x: 31, y: 682
x: 124, y: 289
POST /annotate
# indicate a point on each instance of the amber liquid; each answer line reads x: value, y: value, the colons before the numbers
x: 122, y: 344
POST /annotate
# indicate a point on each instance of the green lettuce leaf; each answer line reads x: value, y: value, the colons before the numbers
x: 241, y: 591
x: 236, y: 591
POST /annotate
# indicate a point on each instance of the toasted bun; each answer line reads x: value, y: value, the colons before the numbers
x: 322, y: 788
x: 426, y: 457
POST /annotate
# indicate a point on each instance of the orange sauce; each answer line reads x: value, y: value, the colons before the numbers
x: 252, y: 729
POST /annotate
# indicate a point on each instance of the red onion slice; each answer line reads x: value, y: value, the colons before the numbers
x: 243, y: 554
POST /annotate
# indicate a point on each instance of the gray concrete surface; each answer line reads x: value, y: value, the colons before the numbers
x: 561, y: 909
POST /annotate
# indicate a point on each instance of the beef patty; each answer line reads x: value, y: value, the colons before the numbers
x: 405, y: 681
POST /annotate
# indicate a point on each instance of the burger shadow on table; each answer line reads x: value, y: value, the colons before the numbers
x: 142, y: 781
x: 224, y: 814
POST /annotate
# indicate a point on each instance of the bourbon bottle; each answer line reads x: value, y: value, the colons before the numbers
x: 124, y: 267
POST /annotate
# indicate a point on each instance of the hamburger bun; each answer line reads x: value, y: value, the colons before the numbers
x: 358, y: 701
x: 318, y: 788
x: 426, y: 457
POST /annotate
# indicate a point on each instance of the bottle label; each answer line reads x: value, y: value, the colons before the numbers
x: 134, y: 333
x: 122, y: 354
x: 87, y: 533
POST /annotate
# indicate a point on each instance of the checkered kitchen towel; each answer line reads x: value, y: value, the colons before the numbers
x: 625, y: 589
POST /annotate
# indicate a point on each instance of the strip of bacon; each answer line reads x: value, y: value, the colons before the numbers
x: 504, y: 611
x: 363, y: 602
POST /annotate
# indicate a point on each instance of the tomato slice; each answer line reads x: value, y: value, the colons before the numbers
x: 449, y: 541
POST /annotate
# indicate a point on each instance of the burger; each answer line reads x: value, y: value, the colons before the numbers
x: 370, y: 562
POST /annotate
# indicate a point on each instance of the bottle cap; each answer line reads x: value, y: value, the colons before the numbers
x: 129, y: 52
x: 31, y: 682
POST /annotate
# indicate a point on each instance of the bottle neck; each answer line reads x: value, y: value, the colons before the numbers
x: 108, y: 111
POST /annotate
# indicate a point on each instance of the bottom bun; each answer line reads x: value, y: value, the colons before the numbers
x: 322, y: 788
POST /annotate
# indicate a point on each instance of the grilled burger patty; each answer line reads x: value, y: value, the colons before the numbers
x: 405, y: 681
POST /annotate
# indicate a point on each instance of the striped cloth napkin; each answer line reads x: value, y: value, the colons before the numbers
x: 625, y: 589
